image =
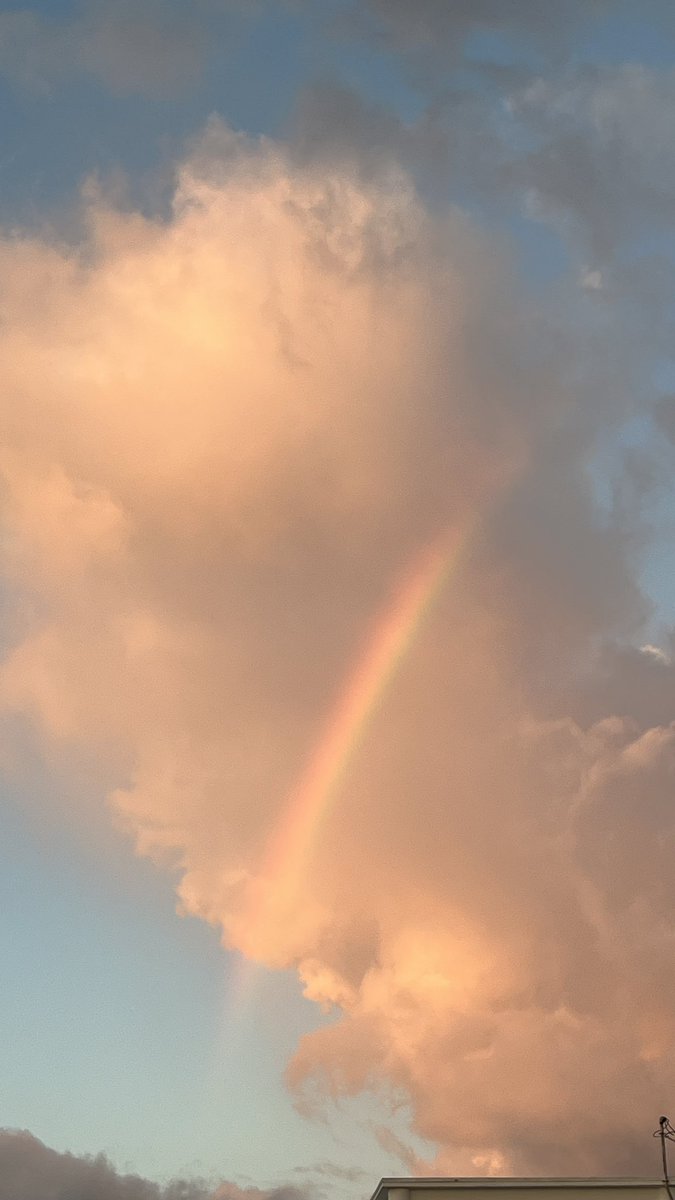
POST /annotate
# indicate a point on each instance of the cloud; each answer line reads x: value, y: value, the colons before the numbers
x: 334, y: 1171
x: 149, y: 48
x: 334, y: 124
x: 584, y: 148
x: 396, y: 1147
x: 29, y: 1170
x: 586, y: 152
x: 256, y: 454
x: 603, y: 163
x: 440, y: 28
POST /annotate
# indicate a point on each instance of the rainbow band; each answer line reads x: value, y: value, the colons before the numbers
x: 394, y: 634
x: 281, y: 871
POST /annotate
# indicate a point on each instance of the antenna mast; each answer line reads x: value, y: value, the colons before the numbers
x: 665, y: 1132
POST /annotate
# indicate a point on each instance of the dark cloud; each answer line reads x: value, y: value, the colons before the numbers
x: 604, y: 163
x: 665, y: 416
x: 29, y: 1170
x: 431, y: 24
x: 334, y: 124
x: 430, y: 39
x: 151, y: 48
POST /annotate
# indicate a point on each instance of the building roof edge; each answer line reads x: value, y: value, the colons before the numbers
x: 498, y: 1182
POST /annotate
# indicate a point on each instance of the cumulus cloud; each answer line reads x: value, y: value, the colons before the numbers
x: 238, y: 445
x: 29, y: 1170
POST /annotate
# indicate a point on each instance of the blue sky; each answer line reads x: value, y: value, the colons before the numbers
x: 91, y: 945
x: 118, y: 1031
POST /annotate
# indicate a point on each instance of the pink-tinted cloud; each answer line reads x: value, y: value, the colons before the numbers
x: 228, y: 440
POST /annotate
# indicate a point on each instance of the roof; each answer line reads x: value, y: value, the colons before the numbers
x: 499, y: 1182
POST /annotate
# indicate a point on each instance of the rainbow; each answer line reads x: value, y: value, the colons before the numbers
x: 391, y: 639
x: 282, y: 866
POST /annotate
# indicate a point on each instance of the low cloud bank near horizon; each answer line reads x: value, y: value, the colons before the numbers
x: 227, y: 439
x: 29, y: 1170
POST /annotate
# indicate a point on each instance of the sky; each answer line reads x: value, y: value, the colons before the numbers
x: 337, y: 580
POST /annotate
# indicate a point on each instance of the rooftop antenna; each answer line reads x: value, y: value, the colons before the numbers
x: 665, y: 1133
